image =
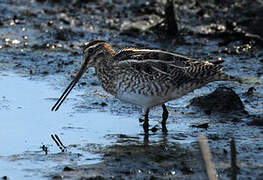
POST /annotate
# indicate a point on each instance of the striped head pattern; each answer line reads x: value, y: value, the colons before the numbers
x: 95, y: 51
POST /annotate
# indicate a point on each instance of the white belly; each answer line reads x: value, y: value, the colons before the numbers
x: 141, y: 100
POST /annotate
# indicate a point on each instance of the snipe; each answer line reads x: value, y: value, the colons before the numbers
x: 145, y: 77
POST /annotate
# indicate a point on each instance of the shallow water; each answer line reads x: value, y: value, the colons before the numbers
x: 27, y: 123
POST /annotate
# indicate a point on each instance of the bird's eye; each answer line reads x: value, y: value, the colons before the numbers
x: 91, y: 50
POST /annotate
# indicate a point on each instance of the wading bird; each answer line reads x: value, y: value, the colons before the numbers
x: 145, y: 77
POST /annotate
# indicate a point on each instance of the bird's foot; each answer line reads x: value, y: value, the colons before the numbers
x: 164, y: 129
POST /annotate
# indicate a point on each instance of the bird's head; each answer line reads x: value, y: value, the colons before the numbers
x: 94, y: 52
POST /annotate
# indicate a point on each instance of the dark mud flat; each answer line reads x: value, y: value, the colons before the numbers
x: 40, y: 51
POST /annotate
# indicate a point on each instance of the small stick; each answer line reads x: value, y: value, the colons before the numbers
x: 210, y: 168
x: 234, y: 167
x: 45, y: 149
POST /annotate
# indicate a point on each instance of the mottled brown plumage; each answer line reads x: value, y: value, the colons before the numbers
x: 145, y: 77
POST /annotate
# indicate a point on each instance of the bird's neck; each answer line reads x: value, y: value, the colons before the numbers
x: 105, y: 72
x: 104, y: 61
x: 104, y: 57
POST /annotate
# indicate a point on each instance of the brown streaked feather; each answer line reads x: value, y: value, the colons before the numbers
x: 141, y: 54
x: 154, y: 54
x: 159, y: 70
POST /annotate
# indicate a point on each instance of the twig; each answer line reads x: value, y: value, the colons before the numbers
x: 234, y: 167
x: 210, y: 168
x: 45, y: 149
x: 170, y: 18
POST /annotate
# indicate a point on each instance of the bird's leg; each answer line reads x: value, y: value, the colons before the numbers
x: 146, y: 139
x: 146, y: 121
x: 164, y: 116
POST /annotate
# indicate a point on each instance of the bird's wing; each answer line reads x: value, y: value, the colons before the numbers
x: 167, y: 71
x: 153, y: 70
x: 154, y: 55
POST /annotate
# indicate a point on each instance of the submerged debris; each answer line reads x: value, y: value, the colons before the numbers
x: 67, y: 168
x: 44, y: 148
x: 204, y: 126
x: 256, y: 120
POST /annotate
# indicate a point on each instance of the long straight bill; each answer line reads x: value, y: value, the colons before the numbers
x: 69, y: 88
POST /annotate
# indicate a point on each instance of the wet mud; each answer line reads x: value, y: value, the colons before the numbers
x: 40, y: 51
x: 223, y: 99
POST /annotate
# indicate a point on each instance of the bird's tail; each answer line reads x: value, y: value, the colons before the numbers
x: 225, y: 77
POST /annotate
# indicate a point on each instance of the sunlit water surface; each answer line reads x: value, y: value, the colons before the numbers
x: 27, y: 123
